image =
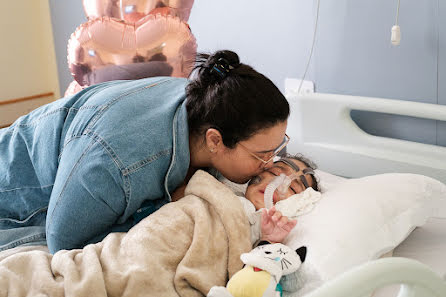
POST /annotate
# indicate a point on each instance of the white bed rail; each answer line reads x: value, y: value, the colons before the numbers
x: 416, y: 279
x: 321, y: 127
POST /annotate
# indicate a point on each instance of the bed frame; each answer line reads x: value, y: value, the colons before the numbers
x: 321, y: 128
x: 417, y: 280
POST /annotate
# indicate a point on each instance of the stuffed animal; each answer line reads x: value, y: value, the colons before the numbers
x: 264, y: 267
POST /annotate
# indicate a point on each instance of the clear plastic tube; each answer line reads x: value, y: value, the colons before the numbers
x: 281, y: 183
x: 283, y: 188
x: 271, y: 188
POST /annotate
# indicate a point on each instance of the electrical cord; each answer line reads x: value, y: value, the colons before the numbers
x: 312, y: 47
x: 395, y: 37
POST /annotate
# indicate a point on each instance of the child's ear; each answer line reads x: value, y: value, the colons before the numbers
x: 302, y: 252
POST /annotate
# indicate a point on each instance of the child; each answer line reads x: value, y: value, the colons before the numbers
x: 273, y: 225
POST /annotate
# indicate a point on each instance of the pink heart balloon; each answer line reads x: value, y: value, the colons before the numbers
x: 72, y: 88
x: 106, y: 49
x: 133, y: 10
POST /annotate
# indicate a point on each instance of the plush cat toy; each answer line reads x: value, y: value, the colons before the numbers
x: 260, y: 277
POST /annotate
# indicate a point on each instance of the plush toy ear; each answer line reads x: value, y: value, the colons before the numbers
x: 302, y: 252
x: 263, y: 242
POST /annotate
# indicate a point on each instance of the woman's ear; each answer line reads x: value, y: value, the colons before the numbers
x: 214, y: 140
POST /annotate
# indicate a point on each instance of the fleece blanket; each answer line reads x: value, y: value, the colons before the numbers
x: 183, y: 249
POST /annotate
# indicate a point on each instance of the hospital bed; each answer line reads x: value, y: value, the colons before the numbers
x: 321, y: 127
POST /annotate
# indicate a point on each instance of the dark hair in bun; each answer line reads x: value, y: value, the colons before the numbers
x: 232, y: 97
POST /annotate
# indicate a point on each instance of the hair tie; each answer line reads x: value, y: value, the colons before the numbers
x: 221, y: 68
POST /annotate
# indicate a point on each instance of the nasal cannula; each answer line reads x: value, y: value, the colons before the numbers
x: 281, y: 183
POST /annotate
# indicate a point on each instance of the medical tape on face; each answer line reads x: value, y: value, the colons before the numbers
x: 289, y: 163
x: 306, y: 171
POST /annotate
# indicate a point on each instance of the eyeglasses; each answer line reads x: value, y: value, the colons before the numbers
x: 274, y: 153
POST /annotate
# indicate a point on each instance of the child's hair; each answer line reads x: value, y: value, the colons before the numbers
x: 232, y: 97
x: 308, y: 163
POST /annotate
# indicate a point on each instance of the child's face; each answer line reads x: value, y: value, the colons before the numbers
x: 256, y: 188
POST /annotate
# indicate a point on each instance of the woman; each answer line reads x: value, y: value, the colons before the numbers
x: 99, y: 161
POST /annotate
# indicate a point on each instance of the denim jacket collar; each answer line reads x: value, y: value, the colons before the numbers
x: 180, y: 160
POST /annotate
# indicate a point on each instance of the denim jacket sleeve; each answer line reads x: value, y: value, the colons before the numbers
x: 87, y: 197
x: 117, y: 159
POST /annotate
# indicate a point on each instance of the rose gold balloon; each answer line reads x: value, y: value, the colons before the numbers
x: 133, y: 10
x: 107, y: 49
x: 99, y: 8
x: 72, y: 89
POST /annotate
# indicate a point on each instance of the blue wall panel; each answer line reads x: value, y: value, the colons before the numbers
x: 66, y: 16
x: 441, y: 128
x: 354, y: 56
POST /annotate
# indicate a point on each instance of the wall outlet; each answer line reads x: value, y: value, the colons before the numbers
x: 292, y: 86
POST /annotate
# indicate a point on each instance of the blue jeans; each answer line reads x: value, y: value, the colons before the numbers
x: 84, y: 166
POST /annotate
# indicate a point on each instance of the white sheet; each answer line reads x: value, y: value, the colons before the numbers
x: 426, y: 244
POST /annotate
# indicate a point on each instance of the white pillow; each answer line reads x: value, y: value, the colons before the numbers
x: 358, y: 220
x: 327, y: 180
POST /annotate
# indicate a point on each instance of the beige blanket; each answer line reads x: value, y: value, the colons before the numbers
x: 183, y: 249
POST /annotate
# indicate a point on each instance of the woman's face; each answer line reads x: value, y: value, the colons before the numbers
x: 256, y: 189
x: 239, y: 164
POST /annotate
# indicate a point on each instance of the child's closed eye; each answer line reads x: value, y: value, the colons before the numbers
x: 276, y: 172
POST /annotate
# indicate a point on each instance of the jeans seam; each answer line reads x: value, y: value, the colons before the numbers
x: 96, y: 139
x: 73, y: 137
x: 97, y: 116
x: 21, y: 241
x: 66, y: 109
x: 140, y: 164
x: 127, y: 188
x: 87, y: 107
x: 69, y: 177
x: 12, y: 127
x: 116, y: 160
x: 109, y: 150
x: 39, y: 187
x: 33, y: 213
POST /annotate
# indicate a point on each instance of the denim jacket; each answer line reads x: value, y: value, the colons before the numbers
x: 93, y: 163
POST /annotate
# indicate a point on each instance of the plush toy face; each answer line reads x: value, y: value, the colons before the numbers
x: 278, y: 259
x: 264, y: 267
